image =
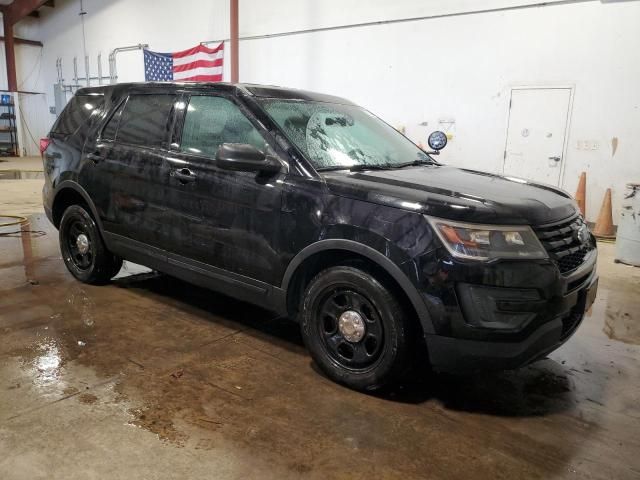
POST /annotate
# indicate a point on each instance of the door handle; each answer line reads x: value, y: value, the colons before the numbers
x: 557, y: 159
x: 184, y: 175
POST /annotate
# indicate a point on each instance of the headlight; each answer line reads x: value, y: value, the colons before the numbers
x: 486, y: 242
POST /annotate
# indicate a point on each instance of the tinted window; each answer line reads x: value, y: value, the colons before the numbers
x: 109, y: 131
x: 77, y: 113
x: 212, y: 121
x: 145, y: 120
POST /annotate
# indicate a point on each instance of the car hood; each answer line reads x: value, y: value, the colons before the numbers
x: 456, y: 194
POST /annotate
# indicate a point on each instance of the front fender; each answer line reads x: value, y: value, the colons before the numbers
x: 375, y: 256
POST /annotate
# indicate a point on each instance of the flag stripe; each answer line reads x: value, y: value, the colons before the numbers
x: 197, y: 71
x: 204, y: 78
x: 198, y: 49
x: 197, y: 56
x: 197, y: 64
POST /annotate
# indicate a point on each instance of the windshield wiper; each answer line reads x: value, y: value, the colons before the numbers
x: 361, y: 166
x: 415, y: 163
x: 330, y: 169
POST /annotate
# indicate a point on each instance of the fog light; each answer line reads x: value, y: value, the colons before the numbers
x: 498, y: 308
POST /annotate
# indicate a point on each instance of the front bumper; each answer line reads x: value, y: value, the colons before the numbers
x: 552, y: 323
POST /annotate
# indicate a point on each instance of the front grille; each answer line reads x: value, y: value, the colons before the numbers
x: 561, y: 243
x: 572, y: 261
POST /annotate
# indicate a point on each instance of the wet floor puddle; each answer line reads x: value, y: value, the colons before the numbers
x: 21, y: 175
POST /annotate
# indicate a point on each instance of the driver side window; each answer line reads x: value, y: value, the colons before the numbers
x: 212, y: 121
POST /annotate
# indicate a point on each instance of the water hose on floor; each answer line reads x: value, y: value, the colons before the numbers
x: 17, y: 220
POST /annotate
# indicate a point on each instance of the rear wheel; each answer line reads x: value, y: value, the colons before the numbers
x: 83, y: 250
x: 354, y: 328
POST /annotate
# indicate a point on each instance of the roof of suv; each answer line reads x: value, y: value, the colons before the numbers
x: 265, y: 91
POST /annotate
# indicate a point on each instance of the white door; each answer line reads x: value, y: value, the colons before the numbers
x: 536, y: 133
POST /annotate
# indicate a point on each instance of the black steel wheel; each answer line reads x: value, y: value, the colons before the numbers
x: 350, y: 329
x: 83, y: 250
x: 78, y: 245
x: 354, y: 328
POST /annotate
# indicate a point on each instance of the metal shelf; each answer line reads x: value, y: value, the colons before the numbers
x: 8, y: 126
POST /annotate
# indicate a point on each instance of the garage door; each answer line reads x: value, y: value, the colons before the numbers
x: 536, y: 133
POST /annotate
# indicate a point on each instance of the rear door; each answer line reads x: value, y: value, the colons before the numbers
x: 128, y: 169
x: 70, y: 131
x: 221, y: 219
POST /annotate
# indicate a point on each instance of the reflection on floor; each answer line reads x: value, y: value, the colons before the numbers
x: 154, y: 376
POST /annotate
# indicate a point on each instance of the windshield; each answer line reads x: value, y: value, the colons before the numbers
x: 335, y: 136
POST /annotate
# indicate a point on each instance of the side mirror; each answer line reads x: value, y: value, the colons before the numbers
x: 437, y: 141
x: 245, y: 158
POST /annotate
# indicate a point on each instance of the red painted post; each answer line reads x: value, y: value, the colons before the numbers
x: 234, y: 40
x: 10, y: 56
x: 12, y: 13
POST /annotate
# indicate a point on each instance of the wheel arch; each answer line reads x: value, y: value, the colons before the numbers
x: 332, y: 252
x: 70, y: 193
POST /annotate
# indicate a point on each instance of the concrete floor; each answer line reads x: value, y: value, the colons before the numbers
x: 20, y: 196
x: 150, y: 377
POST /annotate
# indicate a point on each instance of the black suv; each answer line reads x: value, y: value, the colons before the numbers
x: 312, y: 207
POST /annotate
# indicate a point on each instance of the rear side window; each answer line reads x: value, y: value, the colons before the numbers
x: 212, y: 121
x: 77, y: 113
x: 145, y: 120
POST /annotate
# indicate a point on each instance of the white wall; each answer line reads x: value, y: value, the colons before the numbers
x: 451, y: 66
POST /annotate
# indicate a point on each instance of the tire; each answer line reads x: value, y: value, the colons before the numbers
x: 366, y: 351
x: 95, y: 265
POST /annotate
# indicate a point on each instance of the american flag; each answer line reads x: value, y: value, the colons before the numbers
x: 197, y: 64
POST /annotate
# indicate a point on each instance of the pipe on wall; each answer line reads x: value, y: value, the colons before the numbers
x: 113, y: 69
x: 477, y: 11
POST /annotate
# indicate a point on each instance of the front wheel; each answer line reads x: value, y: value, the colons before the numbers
x: 83, y: 250
x: 354, y: 328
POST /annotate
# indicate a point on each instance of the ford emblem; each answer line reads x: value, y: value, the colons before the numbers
x: 581, y: 234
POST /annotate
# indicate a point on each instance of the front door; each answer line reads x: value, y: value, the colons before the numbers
x: 536, y: 134
x: 223, y: 220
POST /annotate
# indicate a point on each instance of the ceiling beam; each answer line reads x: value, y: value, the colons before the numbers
x: 18, y: 9
x: 24, y: 41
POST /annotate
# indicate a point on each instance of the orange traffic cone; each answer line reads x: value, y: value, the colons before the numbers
x: 604, y: 225
x: 581, y: 193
